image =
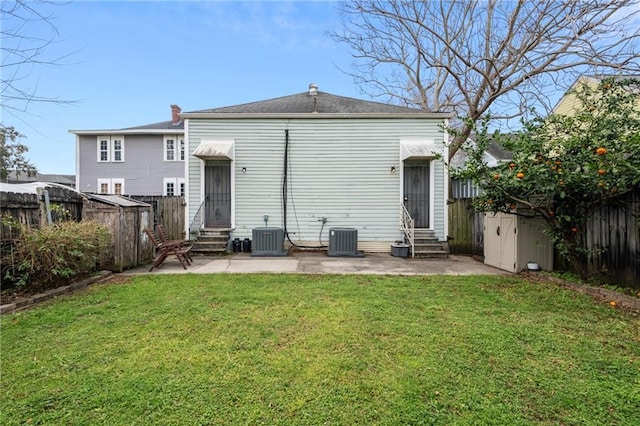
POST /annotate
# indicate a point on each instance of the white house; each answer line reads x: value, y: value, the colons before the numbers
x: 313, y: 161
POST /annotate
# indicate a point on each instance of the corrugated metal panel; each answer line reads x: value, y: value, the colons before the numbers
x: 338, y: 169
x: 463, y: 188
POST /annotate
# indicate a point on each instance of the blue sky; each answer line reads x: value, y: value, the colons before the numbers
x: 129, y: 61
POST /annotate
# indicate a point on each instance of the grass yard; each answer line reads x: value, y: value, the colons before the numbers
x: 311, y: 350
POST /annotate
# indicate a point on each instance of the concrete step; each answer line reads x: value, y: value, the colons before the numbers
x: 431, y: 245
x: 204, y: 249
x: 431, y: 249
x: 211, y: 242
x: 431, y: 254
x: 424, y: 233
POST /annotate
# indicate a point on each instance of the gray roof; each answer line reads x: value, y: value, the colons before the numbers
x: 157, y: 126
x: 304, y: 103
x: 160, y: 127
x: 69, y: 180
x: 498, y: 152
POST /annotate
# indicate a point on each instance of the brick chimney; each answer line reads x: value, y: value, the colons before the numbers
x: 175, y: 115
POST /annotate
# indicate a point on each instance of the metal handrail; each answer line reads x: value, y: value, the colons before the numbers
x: 407, y: 223
x: 197, y: 222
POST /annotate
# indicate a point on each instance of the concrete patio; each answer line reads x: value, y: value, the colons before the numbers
x: 320, y: 263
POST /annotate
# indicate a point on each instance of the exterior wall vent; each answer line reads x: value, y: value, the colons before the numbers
x: 268, y: 242
x: 343, y: 242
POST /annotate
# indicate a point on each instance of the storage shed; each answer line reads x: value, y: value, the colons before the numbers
x: 126, y: 219
x: 511, y: 242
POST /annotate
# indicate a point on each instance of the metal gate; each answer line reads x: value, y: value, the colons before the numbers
x: 416, y: 192
x: 217, y: 187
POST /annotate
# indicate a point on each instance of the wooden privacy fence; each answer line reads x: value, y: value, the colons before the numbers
x: 613, y: 233
x: 169, y: 212
x: 26, y: 207
x: 465, y: 228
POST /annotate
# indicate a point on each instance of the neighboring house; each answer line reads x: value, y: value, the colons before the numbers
x: 493, y: 155
x: 569, y: 103
x: 313, y: 161
x: 66, y: 180
x: 142, y: 160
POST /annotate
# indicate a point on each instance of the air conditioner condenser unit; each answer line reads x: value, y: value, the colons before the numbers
x: 343, y: 242
x: 268, y: 242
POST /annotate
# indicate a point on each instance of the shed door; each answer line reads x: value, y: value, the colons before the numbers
x: 416, y: 192
x: 217, y: 188
x: 500, y: 241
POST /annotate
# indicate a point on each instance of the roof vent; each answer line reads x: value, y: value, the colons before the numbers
x: 313, y: 89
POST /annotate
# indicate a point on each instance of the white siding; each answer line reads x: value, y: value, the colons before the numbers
x: 338, y: 168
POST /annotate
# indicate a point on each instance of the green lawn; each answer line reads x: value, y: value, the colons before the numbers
x: 311, y: 350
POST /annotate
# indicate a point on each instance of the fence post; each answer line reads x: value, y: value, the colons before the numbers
x: 45, y: 208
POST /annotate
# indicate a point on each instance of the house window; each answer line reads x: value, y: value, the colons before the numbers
x: 173, y: 148
x: 173, y: 186
x: 170, y: 189
x: 118, y: 150
x: 111, y: 186
x: 103, y: 150
x: 110, y: 149
x: 170, y: 149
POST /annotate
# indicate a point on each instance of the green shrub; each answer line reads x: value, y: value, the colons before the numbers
x: 55, y: 255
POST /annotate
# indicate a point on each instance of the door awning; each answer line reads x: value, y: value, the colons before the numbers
x: 212, y: 150
x: 419, y: 148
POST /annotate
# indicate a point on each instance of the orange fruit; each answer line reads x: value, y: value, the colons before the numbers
x: 520, y: 175
x: 601, y: 151
x: 512, y: 166
x: 601, y: 172
x: 496, y: 176
x: 613, y: 304
x: 574, y: 229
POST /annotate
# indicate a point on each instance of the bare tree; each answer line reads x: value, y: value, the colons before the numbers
x: 28, y: 33
x: 492, y: 57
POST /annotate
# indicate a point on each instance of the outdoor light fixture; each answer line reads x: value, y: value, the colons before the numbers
x: 393, y: 170
x: 244, y: 170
